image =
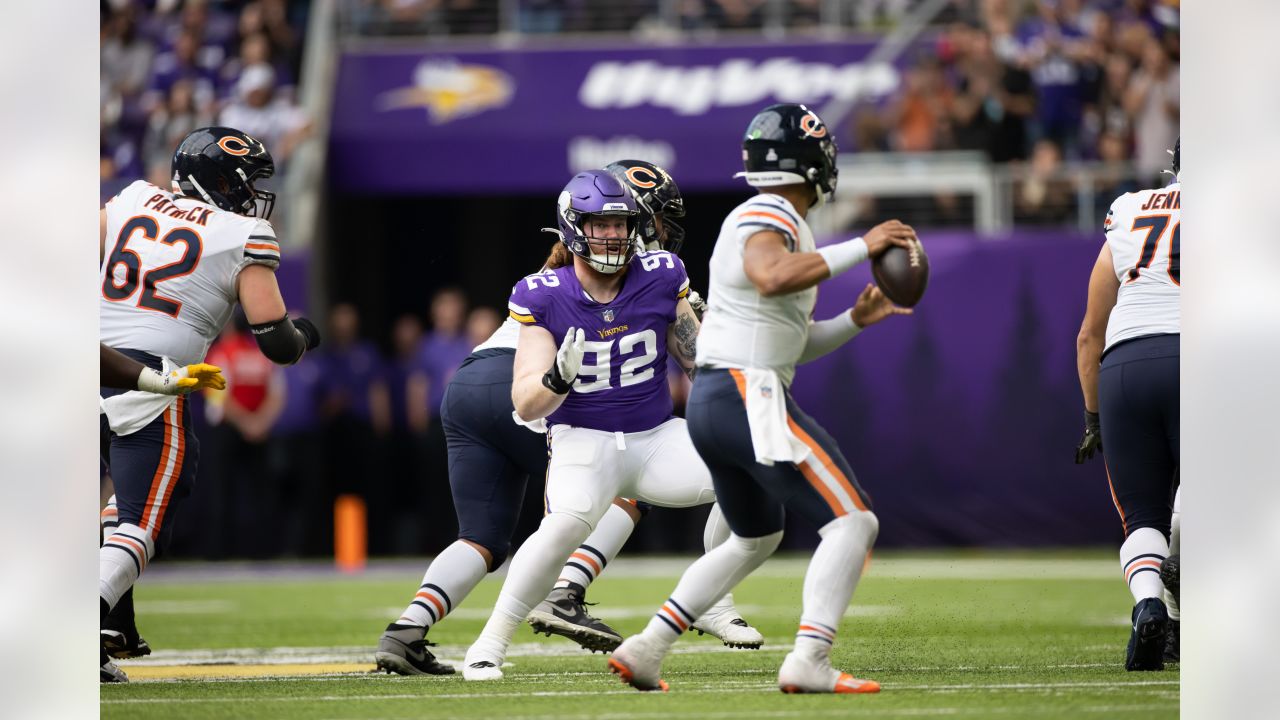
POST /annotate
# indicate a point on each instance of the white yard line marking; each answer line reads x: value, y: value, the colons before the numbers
x: 677, y: 686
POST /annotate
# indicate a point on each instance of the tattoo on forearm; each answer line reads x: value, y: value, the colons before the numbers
x: 687, y: 340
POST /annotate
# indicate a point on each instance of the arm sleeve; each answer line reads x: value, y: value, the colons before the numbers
x: 827, y: 335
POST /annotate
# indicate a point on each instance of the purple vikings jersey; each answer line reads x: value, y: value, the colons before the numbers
x: 622, y: 386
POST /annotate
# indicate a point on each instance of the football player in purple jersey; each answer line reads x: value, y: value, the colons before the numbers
x: 594, y: 339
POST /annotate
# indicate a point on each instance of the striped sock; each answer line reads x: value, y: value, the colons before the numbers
x: 450, y: 578
x: 1140, y: 558
x: 110, y: 518
x: 670, y: 622
x: 814, y: 639
x: 603, y: 545
x: 121, y: 559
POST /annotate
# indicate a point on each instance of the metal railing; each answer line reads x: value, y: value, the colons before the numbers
x: 965, y: 189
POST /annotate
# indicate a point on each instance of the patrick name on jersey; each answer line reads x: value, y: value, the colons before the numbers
x: 162, y: 204
x: 626, y: 349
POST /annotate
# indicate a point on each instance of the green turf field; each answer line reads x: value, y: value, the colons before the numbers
x: 968, y: 635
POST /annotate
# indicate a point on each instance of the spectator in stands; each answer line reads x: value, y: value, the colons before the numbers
x: 277, y: 122
x: 920, y: 114
x: 126, y: 55
x: 542, y: 16
x: 178, y: 64
x: 256, y: 50
x: 481, y: 323
x: 1044, y: 196
x: 169, y: 124
x: 241, y: 420
x: 441, y: 352
x: 407, y: 452
x: 296, y: 462
x: 1152, y: 101
x: 356, y: 406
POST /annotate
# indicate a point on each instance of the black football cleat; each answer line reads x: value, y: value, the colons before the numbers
x: 1147, y: 640
x: 109, y: 672
x: 122, y: 644
x: 402, y: 649
x: 1173, y: 642
x: 1170, y: 570
x: 564, y: 613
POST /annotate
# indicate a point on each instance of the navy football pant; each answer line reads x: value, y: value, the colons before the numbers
x: 1138, y: 403
x: 753, y: 496
x: 152, y: 469
x: 490, y: 457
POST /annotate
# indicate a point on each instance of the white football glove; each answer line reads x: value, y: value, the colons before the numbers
x: 559, y: 379
x: 696, y: 302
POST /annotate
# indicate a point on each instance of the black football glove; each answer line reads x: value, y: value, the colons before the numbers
x: 1092, y: 440
x: 309, y: 332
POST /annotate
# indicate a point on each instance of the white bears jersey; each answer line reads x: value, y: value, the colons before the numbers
x: 1143, y: 230
x: 742, y: 328
x: 169, y: 277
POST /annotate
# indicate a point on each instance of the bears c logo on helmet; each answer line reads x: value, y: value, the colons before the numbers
x: 812, y: 126
x: 227, y: 143
x: 633, y: 174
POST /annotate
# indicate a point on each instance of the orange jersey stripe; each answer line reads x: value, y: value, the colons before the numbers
x: 827, y: 462
x: 1115, y: 500
x: 776, y: 218
x: 180, y: 437
x: 741, y: 381
x: 262, y: 246
x: 832, y: 501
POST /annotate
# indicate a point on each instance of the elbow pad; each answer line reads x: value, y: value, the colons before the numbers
x: 283, y: 342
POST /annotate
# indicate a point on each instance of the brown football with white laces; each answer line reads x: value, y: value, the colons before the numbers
x: 902, y: 274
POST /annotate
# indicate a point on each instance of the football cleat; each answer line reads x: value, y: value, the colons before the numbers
x: 122, y: 645
x: 564, y: 613
x: 482, y: 670
x: 1147, y: 640
x: 110, y: 672
x: 801, y: 674
x: 723, y: 621
x: 638, y: 661
x: 1173, y: 643
x: 402, y: 649
x: 1170, y: 570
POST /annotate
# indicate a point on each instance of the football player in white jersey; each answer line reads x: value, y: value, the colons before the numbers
x: 764, y: 453
x: 176, y: 262
x: 1127, y: 355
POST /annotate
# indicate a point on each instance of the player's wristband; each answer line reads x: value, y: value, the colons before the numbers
x: 842, y: 256
x: 153, y: 382
x: 552, y: 381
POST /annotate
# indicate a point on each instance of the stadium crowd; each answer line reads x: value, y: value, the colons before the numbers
x: 168, y: 67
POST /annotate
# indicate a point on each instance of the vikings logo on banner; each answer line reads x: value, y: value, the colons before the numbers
x: 450, y: 90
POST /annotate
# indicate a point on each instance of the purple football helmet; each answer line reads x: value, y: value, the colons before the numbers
x: 597, y: 193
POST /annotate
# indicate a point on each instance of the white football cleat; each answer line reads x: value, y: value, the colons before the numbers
x: 481, y: 665
x: 723, y: 621
x: 800, y: 674
x: 638, y: 661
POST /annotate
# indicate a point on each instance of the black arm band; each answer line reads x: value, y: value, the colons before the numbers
x: 552, y: 381
x: 280, y: 341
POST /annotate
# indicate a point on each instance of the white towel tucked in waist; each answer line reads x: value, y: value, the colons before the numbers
x: 771, y: 437
x: 131, y: 411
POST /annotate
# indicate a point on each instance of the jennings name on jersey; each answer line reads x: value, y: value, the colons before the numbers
x: 169, y: 278
x: 622, y: 386
x: 1143, y: 232
x: 742, y: 328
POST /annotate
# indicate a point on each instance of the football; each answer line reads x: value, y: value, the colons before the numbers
x: 902, y: 274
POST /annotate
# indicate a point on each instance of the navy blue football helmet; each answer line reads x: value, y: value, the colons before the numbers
x: 656, y: 193
x: 788, y: 144
x: 219, y: 165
